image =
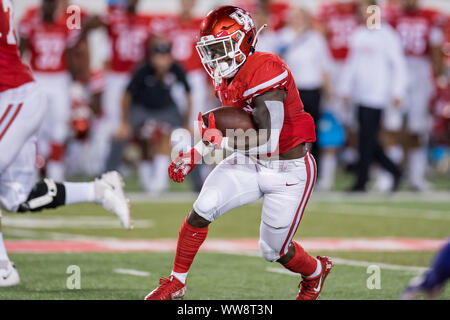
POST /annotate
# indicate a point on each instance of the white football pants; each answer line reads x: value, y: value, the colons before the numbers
x: 285, y: 185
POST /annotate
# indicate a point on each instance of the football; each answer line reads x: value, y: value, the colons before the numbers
x: 230, y: 118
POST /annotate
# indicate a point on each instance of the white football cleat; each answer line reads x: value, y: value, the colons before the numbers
x: 109, y: 192
x: 8, y: 274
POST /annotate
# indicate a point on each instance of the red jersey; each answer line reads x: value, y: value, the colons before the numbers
x: 339, y: 20
x: 129, y: 36
x: 183, y: 37
x: 261, y: 73
x: 13, y: 73
x: 416, y: 30
x: 47, y: 41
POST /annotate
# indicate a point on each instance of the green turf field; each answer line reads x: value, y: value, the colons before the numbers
x: 220, y: 275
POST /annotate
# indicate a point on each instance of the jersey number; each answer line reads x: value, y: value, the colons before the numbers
x: 8, y: 8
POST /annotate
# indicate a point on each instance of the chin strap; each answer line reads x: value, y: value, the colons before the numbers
x: 257, y: 34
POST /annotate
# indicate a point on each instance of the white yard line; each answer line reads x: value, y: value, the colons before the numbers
x: 358, y: 263
x: 40, y: 235
x: 132, y: 272
x: 69, y: 222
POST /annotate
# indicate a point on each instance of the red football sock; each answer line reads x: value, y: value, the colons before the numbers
x: 302, y: 262
x: 189, y: 241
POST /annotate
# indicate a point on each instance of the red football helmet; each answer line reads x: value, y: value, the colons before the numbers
x: 227, y: 37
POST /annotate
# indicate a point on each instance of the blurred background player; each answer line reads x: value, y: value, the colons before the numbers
x: 374, y: 76
x: 129, y: 36
x: 181, y: 31
x: 150, y: 111
x: 269, y: 40
x: 422, y: 39
x: 306, y: 53
x: 337, y: 20
x: 22, y: 111
x: 46, y: 38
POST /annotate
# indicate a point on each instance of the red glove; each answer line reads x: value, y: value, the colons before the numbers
x: 183, y: 164
x: 210, y: 135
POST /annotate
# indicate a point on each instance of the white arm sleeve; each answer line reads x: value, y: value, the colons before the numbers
x: 276, y: 111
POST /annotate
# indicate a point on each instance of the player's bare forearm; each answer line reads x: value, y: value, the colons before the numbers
x: 91, y: 23
x: 126, y: 103
x: 437, y: 60
x: 262, y: 119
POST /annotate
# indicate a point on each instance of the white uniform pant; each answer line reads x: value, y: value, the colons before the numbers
x: 22, y: 111
x: 56, y: 126
x: 417, y: 100
x: 115, y: 86
x: 285, y: 185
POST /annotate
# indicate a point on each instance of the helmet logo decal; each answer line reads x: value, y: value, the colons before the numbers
x: 243, y: 19
x: 222, y: 33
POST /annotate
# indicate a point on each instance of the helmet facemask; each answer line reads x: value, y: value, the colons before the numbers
x: 221, y: 57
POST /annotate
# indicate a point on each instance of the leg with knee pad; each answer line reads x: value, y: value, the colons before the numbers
x: 45, y: 195
x: 208, y: 203
x: 268, y: 252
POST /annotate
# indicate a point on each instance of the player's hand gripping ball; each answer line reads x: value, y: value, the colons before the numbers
x: 183, y: 164
x: 210, y: 134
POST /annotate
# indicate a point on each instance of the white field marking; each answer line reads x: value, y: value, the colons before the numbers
x: 385, y: 211
x: 358, y: 263
x: 132, y: 272
x: 40, y: 235
x: 61, y: 222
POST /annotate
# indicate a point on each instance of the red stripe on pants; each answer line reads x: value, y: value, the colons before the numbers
x: 11, y: 120
x: 6, y: 113
x: 305, y: 198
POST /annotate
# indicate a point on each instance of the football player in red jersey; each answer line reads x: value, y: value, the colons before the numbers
x: 422, y: 37
x: 182, y: 38
x: 181, y: 30
x: 280, y: 169
x: 337, y: 20
x: 129, y: 35
x: 44, y: 34
x: 22, y: 110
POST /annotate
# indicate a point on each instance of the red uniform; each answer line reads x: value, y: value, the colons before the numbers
x: 261, y: 73
x: 182, y: 35
x: 47, y: 42
x: 13, y: 72
x: 183, y: 38
x: 340, y: 21
x: 416, y: 30
x: 129, y: 35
